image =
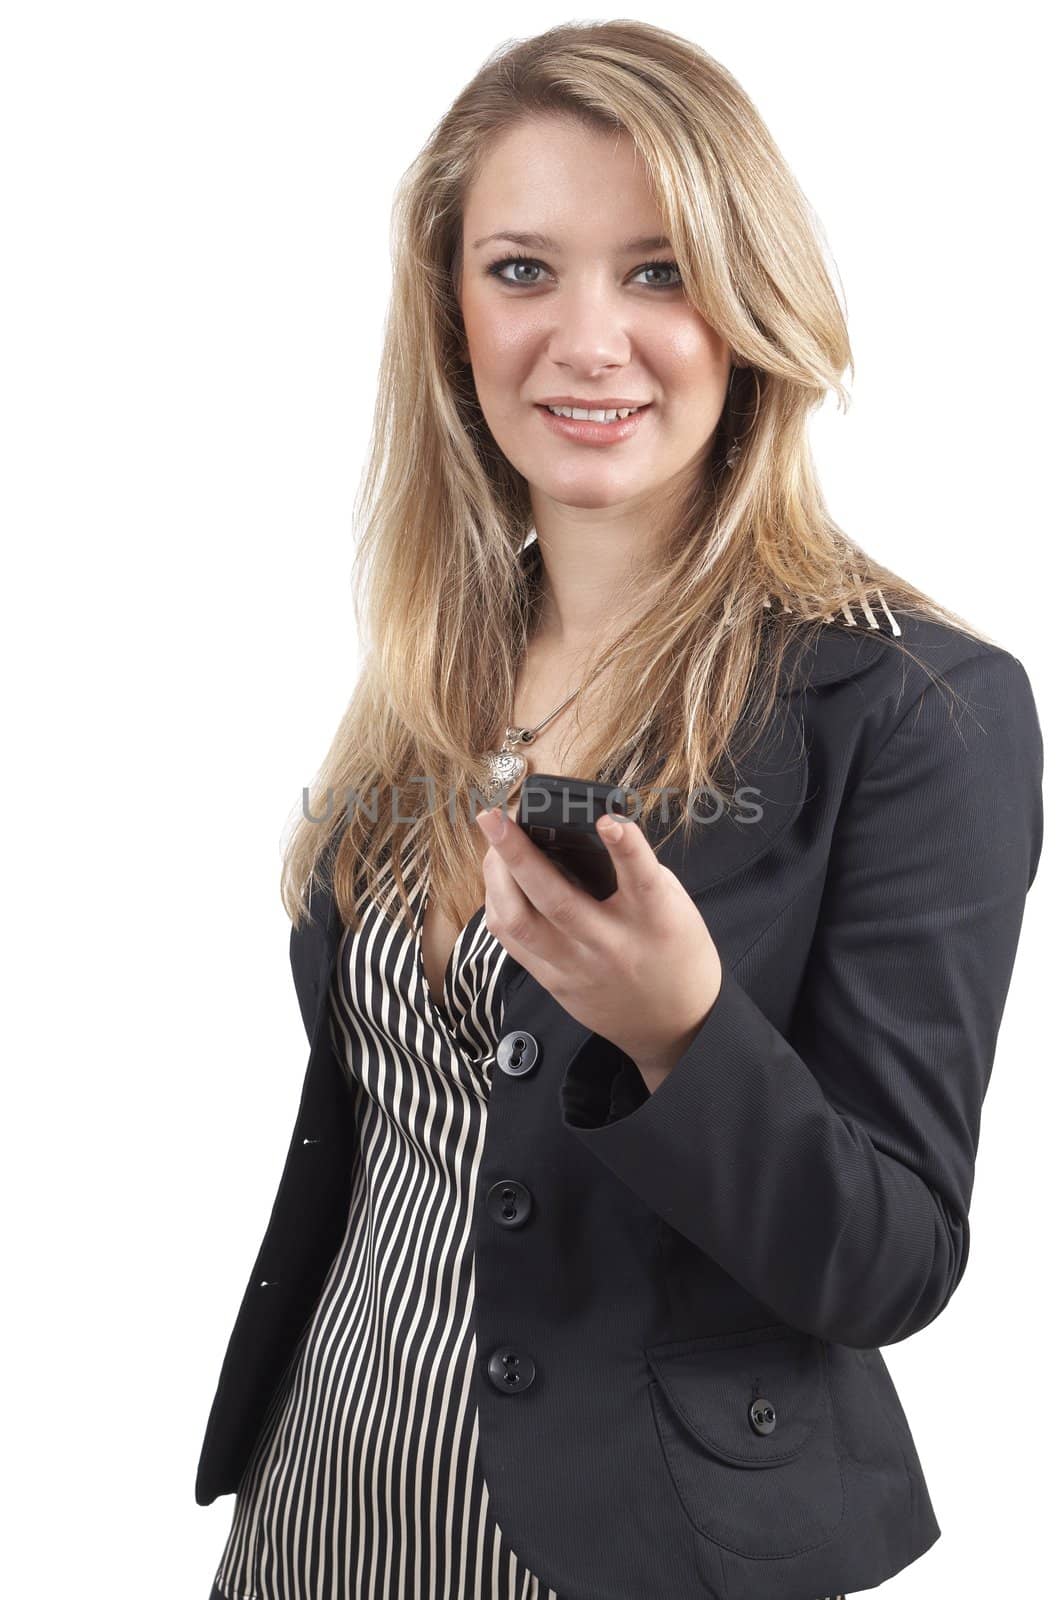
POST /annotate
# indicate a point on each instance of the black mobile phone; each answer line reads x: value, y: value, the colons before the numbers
x: 559, y: 816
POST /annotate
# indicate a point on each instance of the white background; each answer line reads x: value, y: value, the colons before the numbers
x: 195, y: 202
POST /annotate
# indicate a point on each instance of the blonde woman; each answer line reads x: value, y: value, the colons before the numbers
x: 597, y: 1212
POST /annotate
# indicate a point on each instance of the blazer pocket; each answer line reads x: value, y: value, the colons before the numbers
x: 745, y: 1421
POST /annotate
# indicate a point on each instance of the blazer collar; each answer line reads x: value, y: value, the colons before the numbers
x: 840, y: 649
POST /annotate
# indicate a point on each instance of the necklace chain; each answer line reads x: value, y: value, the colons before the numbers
x: 505, y: 767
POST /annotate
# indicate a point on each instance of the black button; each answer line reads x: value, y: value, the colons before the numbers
x: 510, y: 1371
x: 762, y: 1416
x: 517, y: 1053
x: 509, y: 1203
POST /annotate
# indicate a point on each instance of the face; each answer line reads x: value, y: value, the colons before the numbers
x: 590, y: 316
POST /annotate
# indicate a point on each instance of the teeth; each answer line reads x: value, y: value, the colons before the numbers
x: 592, y: 416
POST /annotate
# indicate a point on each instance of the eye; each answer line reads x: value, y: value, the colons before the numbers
x: 497, y: 270
x: 661, y: 266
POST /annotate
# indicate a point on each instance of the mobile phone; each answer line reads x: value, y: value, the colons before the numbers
x: 559, y: 816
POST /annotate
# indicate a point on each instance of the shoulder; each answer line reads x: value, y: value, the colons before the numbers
x: 896, y: 655
x: 919, y: 700
x: 948, y: 734
x: 958, y: 675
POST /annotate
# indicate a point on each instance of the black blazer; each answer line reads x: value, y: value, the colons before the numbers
x: 679, y: 1384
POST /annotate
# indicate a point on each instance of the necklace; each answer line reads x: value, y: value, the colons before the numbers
x: 505, y: 767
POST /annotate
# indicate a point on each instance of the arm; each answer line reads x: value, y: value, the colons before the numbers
x: 830, y: 1172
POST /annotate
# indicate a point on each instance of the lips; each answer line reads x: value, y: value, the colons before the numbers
x: 593, y: 435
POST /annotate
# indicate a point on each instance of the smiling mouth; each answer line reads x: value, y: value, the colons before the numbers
x: 595, y: 414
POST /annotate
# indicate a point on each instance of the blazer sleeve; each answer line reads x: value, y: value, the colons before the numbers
x: 829, y: 1172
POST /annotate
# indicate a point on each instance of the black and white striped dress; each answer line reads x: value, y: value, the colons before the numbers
x: 365, y: 1481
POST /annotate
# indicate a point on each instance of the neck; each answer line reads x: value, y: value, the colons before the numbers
x: 587, y: 586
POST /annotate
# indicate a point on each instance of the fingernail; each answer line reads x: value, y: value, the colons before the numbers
x: 493, y: 823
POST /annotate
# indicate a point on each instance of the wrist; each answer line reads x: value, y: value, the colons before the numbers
x: 654, y: 1065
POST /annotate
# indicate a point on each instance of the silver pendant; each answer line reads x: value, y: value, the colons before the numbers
x: 505, y: 767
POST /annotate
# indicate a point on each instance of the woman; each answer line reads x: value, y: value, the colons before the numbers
x: 597, y: 1212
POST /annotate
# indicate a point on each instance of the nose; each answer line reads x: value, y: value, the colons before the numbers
x: 590, y: 332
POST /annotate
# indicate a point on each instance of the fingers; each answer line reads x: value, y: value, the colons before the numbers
x: 545, y: 892
x: 640, y: 876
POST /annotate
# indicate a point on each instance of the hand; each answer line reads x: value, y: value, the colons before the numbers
x: 640, y: 968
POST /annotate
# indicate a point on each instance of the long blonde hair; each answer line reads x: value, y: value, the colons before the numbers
x: 445, y: 586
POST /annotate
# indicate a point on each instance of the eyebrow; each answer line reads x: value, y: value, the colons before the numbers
x: 543, y: 241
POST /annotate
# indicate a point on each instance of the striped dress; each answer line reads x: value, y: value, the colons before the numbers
x: 365, y: 1481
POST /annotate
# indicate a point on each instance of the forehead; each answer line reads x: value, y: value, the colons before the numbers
x: 552, y: 176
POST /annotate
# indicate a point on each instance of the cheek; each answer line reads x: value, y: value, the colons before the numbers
x: 500, y: 334
x: 688, y: 354
x: 692, y: 375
